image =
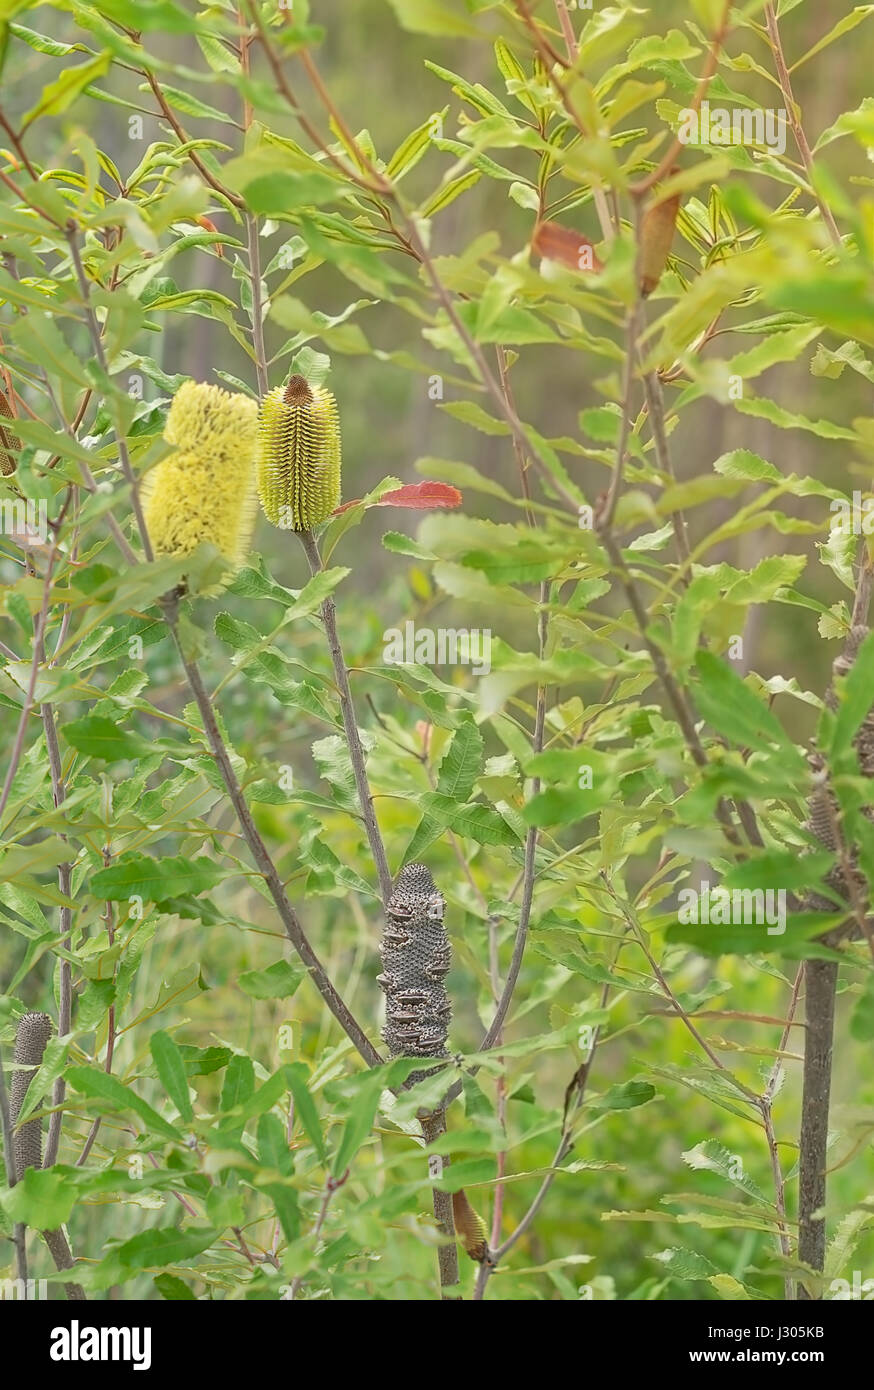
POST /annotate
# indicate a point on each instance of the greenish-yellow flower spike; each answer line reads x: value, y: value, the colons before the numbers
x: 299, y: 455
x: 205, y: 489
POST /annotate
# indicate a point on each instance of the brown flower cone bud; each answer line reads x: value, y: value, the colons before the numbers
x: 471, y: 1228
x: 32, y: 1034
x: 656, y: 239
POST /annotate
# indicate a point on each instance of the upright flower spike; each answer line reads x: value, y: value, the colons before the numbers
x: 299, y: 455
x: 205, y: 489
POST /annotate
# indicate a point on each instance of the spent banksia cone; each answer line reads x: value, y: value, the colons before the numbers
x: 31, y: 1036
x: 299, y: 455
x: 415, y: 959
x: 205, y: 489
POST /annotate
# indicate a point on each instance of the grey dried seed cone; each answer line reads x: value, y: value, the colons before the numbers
x: 415, y: 960
x: 32, y: 1034
x: 31, y: 1037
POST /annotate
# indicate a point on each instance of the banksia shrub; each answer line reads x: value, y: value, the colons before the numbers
x: 205, y: 489
x: 32, y: 1034
x: 299, y: 455
x: 415, y: 959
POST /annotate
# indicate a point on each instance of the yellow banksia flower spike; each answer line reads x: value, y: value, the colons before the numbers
x: 205, y: 489
x: 299, y: 455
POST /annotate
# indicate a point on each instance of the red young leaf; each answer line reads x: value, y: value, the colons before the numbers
x: 417, y: 495
x: 427, y: 494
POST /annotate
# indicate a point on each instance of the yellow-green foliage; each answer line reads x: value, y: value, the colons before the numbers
x: 299, y: 455
x: 205, y: 489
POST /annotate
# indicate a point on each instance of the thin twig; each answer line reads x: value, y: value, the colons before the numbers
x: 100, y: 354
x: 350, y: 724
x: 497, y: 1023
x: 170, y: 117
x: 656, y: 410
x: 331, y: 1186
x: 574, y: 1095
x: 641, y: 188
x: 601, y: 207
x: 820, y: 981
x: 257, y: 305
x: 767, y: 1100
x: 38, y: 653
x: 640, y: 937
x: 801, y: 142
x: 65, y: 923
x: 290, y: 921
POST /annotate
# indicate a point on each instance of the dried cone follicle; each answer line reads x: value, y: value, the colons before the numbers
x: 299, y: 455
x: 470, y: 1227
x: 8, y: 440
x: 32, y: 1034
x: 415, y: 960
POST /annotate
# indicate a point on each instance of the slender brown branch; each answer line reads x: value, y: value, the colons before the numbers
x: 801, y: 142
x: 573, y: 1099
x: 433, y: 1126
x: 656, y: 410
x: 257, y: 305
x: 641, y: 939
x: 290, y: 921
x: 490, y: 381
x: 65, y: 922
x: 350, y: 724
x: 332, y: 1185
x: 100, y: 354
x: 767, y: 1101
x: 38, y: 654
x: 252, y: 231
x: 821, y: 977
x: 552, y: 60
x: 641, y: 188
x: 601, y: 206
x: 376, y: 183
x: 111, y: 1016
x: 497, y: 1023
x: 607, y: 514
x: 170, y: 117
